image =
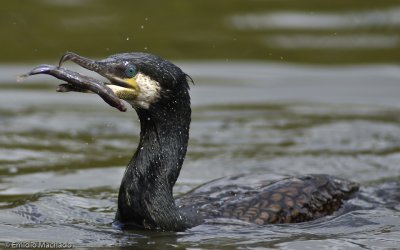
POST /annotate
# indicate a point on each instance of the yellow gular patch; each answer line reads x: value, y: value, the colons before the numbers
x: 132, y: 83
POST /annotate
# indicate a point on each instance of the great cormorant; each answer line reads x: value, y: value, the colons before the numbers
x: 159, y: 92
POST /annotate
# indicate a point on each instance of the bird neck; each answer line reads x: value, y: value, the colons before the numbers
x: 146, y: 192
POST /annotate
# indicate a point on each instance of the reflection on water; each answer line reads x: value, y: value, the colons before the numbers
x: 255, y: 110
x: 312, y: 20
x: 333, y: 41
x: 304, y: 24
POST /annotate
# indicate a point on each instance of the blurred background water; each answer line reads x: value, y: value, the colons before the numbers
x: 281, y: 87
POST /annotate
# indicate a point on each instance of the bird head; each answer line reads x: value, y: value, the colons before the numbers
x: 143, y: 80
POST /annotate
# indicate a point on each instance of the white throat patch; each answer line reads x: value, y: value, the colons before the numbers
x: 149, y: 91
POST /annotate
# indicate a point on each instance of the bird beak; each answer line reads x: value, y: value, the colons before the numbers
x: 106, y: 68
x: 78, y: 83
x: 112, y: 92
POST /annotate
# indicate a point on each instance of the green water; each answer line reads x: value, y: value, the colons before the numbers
x: 314, y: 31
x: 281, y: 88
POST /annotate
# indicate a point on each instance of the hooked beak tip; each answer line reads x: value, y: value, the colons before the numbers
x: 82, y: 61
x: 66, y: 57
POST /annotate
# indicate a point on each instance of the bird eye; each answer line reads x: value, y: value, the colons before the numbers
x: 130, y: 71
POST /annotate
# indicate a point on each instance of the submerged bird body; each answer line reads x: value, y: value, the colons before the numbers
x: 159, y: 92
x: 288, y: 200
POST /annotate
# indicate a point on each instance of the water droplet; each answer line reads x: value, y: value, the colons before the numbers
x: 148, y: 118
x: 128, y: 38
x: 142, y: 27
x: 141, y: 148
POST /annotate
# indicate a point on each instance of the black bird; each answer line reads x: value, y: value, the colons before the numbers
x: 159, y: 92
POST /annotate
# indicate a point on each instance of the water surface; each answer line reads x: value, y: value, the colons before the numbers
x: 281, y: 88
x: 63, y: 155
